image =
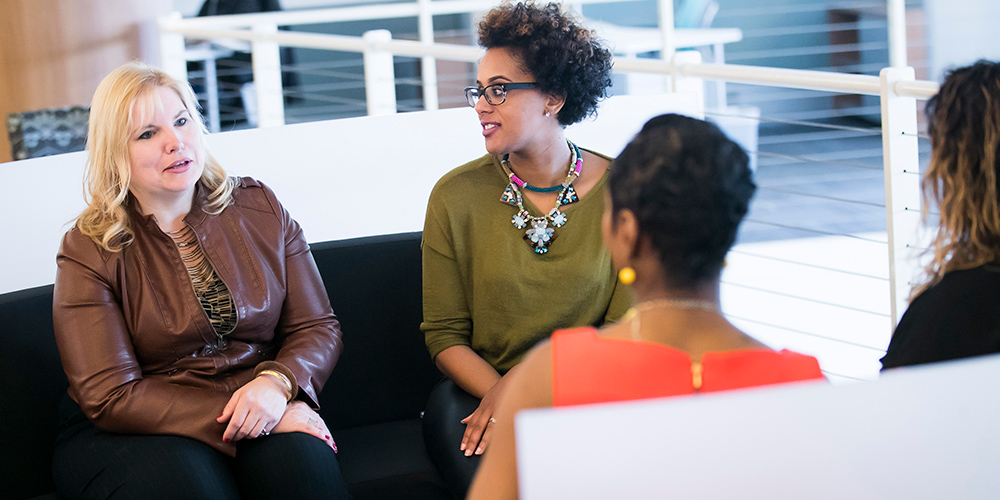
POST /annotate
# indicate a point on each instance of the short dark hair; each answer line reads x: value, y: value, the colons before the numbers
x: 689, y: 187
x: 565, y: 58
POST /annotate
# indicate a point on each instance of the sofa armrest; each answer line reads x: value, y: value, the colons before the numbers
x: 31, y: 383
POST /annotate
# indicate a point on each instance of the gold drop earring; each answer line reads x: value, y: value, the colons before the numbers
x: 626, y: 275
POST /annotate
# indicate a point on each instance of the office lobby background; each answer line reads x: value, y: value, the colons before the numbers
x: 54, y: 52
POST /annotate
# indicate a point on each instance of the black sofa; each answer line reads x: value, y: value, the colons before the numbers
x: 372, y: 402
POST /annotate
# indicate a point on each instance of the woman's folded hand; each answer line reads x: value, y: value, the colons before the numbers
x: 255, y: 409
x: 299, y: 417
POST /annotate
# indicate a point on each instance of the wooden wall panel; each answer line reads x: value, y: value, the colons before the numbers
x: 53, y: 53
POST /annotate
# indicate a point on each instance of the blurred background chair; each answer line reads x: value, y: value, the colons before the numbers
x: 227, y: 88
x: 695, y: 13
x: 47, y: 132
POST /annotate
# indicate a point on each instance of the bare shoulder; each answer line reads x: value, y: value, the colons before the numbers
x: 741, y: 339
x: 752, y: 343
x: 597, y: 161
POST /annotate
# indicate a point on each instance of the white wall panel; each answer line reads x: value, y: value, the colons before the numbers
x: 339, y: 178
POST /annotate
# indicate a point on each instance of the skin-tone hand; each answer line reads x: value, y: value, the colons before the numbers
x: 479, y: 424
x: 530, y: 388
x: 299, y: 417
x: 475, y: 376
x: 255, y: 407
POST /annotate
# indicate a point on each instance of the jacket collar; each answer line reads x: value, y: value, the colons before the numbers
x: 194, y: 217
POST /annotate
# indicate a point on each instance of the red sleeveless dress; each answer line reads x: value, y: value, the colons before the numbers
x: 587, y: 368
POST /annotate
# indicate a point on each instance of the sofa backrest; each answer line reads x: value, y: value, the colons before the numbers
x: 325, y: 173
x: 31, y: 383
x: 385, y: 372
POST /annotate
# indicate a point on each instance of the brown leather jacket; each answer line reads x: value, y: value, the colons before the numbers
x: 138, y: 348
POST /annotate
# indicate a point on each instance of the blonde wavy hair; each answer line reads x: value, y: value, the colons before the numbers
x: 108, y: 171
x: 962, y: 178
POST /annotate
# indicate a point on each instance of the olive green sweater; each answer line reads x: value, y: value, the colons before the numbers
x: 485, y: 287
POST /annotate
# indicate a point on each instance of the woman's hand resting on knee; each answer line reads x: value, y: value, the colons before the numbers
x: 477, y: 377
x: 299, y: 417
x: 254, y: 409
x: 478, y: 425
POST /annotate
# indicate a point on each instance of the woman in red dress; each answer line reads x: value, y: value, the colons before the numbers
x: 677, y: 195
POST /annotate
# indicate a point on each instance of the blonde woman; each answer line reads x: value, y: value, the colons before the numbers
x: 956, y: 312
x: 191, y: 320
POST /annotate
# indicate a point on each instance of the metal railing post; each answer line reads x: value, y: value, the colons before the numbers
x: 172, y: 59
x: 428, y: 64
x: 902, y: 185
x: 380, y: 75
x: 666, y: 12
x: 212, y: 96
x: 665, y: 9
x: 682, y: 83
x: 267, y: 78
x: 896, y: 13
x: 720, y: 101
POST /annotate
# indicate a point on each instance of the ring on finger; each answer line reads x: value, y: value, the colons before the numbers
x: 263, y: 432
x: 493, y: 420
x: 313, y: 422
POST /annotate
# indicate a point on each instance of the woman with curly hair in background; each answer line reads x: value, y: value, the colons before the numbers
x: 512, y: 240
x: 954, y: 314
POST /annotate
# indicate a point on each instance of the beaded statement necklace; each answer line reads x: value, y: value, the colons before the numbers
x: 540, y: 236
x: 212, y: 293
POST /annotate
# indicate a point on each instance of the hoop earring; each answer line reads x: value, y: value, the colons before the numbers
x: 626, y: 275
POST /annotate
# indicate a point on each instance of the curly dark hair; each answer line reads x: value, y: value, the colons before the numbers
x: 689, y: 187
x: 565, y: 58
x: 963, y: 177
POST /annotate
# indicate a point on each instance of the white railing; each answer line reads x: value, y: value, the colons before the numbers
x: 896, y: 86
x: 261, y: 30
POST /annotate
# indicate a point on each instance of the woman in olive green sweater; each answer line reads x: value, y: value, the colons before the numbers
x: 512, y: 241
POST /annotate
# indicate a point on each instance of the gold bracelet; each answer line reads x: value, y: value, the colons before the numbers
x: 281, y: 377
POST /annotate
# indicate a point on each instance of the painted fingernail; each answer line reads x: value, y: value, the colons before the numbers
x: 462, y: 448
x: 327, y: 436
x: 225, y: 440
x: 468, y: 452
x: 335, y: 447
x: 479, y: 451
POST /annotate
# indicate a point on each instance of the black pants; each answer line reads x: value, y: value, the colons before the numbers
x: 443, y: 431
x: 93, y: 464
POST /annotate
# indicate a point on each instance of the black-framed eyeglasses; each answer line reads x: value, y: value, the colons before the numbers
x: 495, y: 94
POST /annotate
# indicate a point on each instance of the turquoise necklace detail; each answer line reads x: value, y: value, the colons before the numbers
x: 540, y: 236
